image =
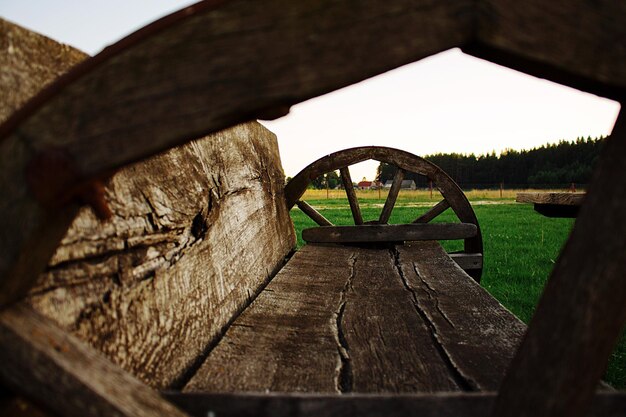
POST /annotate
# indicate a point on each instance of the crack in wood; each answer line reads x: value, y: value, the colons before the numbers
x: 432, y: 294
x: 461, y: 380
x: 343, y: 381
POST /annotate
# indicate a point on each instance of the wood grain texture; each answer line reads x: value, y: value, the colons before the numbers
x: 195, y: 233
x: 67, y: 376
x: 335, y: 319
x: 348, y: 319
x: 478, y: 335
x: 566, y: 199
x: 203, y: 70
x: 389, y: 232
x: 564, y: 41
x: 455, y: 404
x: 581, y: 312
x: 29, y: 62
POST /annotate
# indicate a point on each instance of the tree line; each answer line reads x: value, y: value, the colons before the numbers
x: 549, y: 165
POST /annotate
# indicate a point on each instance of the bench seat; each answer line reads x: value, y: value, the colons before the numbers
x: 338, y: 319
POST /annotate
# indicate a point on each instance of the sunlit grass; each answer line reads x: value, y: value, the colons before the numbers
x: 520, y: 248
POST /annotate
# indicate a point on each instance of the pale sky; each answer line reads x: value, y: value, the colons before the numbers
x: 450, y: 102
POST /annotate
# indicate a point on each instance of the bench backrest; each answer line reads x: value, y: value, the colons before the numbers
x: 195, y: 233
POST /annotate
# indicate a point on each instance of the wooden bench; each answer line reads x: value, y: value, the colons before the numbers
x: 553, y: 204
x: 126, y: 317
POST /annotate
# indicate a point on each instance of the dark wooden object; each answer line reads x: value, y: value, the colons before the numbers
x: 385, y: 214
x: 389, y: 233
x: 315, y: 215
x: 405, y: 162
x: 433, y: 212
x: 336, y: 318
x: 553, y: 204
x: 352, y: 199
x: 454, y: 404
x: 50, y: 366
x: 582, y: 311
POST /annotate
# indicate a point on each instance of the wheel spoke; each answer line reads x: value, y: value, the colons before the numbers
x: 434, y: 211
x: 315, y: 215
x: 392, y: 197
x: 354, y: 202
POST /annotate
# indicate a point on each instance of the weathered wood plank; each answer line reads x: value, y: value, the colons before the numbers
x: 196, y: 72
x: 29, y: 62
x: 566, y: 199
x: 477, y: 334
x: 389, y: 232
x: 582, y: 311
x: 67, y: 376
x: 563, y: 41
x: 315, y: 215
x: 346, y: 179
x: 332, y: 320
x: 456, y: 404
x: 390, y: 202
x: 195, y: 233
x: 468, y: 260
x: 433, y: 212
x: 553, y: 204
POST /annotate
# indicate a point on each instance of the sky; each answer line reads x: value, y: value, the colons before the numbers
x: 449, y: 102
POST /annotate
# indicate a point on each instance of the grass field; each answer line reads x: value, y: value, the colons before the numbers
x: 520, y: 246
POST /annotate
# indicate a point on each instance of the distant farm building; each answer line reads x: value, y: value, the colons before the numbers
x: 406, y: 184
x: 369, y: 185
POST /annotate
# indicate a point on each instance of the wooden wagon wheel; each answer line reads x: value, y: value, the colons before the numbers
x: 379, y: 230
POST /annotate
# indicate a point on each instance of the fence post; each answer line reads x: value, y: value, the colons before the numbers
x: 431, y: 189
x: 501, y: 187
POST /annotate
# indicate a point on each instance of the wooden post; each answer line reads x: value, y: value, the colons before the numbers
x: 501, y: 187
x: 326, y: 179
x: 572, y: 188
x: 430, y: 187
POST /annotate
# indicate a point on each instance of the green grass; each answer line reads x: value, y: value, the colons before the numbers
x: 520, y: 249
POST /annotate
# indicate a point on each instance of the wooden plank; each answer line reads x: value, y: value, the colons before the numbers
x: 352, y: 199
x: 433, y: 212
x: 67, y: 376
x: 315, y: 215
x: 565, y: 199
x: 195, y: 233
x: 389, y: 232
x: 391, y: 197
x: 548, y: 40
x: 332, y: 320
x: 582, y: 311
x: 477, y: 334
x: 468, y: 260
x: 553, y: 204
x: 30, y: 61
x: 147, y: 93
x: 456, y: 404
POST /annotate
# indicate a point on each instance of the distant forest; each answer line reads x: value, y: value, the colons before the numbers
x: 550, y: 165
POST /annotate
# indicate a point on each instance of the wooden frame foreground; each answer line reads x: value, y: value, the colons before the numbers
x: 208, y: 67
